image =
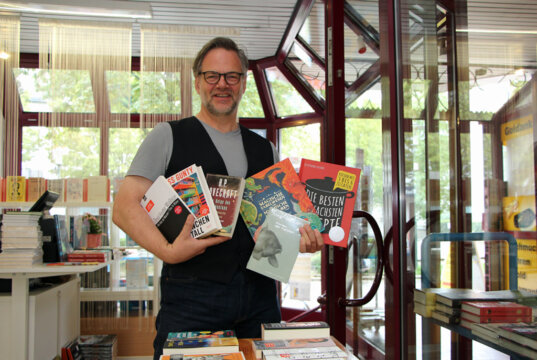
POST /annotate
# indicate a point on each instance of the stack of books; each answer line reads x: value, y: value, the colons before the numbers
x: 103, y: 347
x: 229, y: 356
x: 424, y: 302
x: 21, y: 239
x: 493, y: 312
x: 296, y: 340
x: 520, y: 338
x: 201, y: 343
x: 82, y: 256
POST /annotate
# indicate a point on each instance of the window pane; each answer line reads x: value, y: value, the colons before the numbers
x: 286, y: 99
x: 43, y: 90
x: 251, y: 104
x: 312, y: 73
x: 150, y: 92
x: 305, y: 282
x: 60, y: 152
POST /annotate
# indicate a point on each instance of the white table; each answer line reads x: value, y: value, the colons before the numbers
x: 20, y: 295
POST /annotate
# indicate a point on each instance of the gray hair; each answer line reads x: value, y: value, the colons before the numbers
x: 219, y: 43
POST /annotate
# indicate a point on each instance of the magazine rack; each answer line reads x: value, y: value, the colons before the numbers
x: 486, y: 236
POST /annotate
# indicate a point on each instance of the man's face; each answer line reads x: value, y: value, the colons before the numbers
x: 220, y: 98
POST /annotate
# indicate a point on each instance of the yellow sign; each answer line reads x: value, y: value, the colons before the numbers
x: 345, y: 181
x: 516, y: 128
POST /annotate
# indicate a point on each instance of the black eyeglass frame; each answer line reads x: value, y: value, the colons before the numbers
x: 225, y: 75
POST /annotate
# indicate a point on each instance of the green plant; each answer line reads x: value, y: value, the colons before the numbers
x: 93, y: 224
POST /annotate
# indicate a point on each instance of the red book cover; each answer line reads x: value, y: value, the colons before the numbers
x: 495, y: 318
x: 332, y: 189
x: 277, y: 186
x: 495, y: 308
x: 227, y: 195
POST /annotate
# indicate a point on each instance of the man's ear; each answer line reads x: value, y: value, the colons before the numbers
x: 197, y: 84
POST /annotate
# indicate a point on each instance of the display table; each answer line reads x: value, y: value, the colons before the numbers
x: 20, y: 293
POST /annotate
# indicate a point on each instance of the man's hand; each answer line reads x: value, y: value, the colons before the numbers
x: 185, y: 247
x: 310, y: 240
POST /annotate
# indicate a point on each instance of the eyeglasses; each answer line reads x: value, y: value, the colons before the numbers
x: 213, y: 77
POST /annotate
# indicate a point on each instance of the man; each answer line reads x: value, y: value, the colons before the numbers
x: 204, y: 283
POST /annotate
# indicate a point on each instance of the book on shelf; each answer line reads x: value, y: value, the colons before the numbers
x: 495, y: 318
x: 89, y: 255
x: 74, y: 190
x: 201, y: 346
x: 454, y: 297
x: 15, y: 188
x: 35, y: 186
x: 294, y: 330
x: 446, y: 318
x: 332, y: 352
x: 488, y: 331
x: 277, y: 186
x: 424, y: 310
x: 258, y: 346
x: 447, y: 309
x: 518, y: 348
x: 191, y: 186
x: 426, y: 296
x: 200, y: 334
x: 97, y: 188
x: 522, y: 333
x: 136, y: 273
x: 495, y: 308
x: 165, y: 208
x: 226, y: 192
x: 226, y: 356
x: 333, y: 190
x: 57, y: 186
x: 71, y: 351
x: 276, y: 245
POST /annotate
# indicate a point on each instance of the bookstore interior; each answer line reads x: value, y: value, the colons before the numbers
x: 405, y: 132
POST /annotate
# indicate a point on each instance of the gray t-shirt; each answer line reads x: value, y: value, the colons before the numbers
x: 155, y: 152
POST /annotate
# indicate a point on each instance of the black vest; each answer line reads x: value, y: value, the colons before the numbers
x: 193, y: 145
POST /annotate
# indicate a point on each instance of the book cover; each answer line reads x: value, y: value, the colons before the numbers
x: 226, y: 356
x: 454, y: 297
x: 522, y: 333
x: 495, y: 308
x: 483, y: 319
x: 57, y: 186
x: 276, y: 245
x: 35, y: 187
x: 201, y: 346
x: 294, y: 330
x: 200, y: 334
x: 15, y: 188
x: 315, y: 342
x: 98, y: 188
x: 277, y: 186
x: 332, y: 352
x: 165, y: 207
x: 74, y: 190
x: 191, y: 186
x: 226, y: 192
x: 332, y: 189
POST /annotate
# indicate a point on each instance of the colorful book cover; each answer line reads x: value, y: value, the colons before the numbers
x: 226, y: 356
x: 522, y: 333
x: 226, y: 192
x: 74, y: 190
x: 15, y: 188
x: 495, y: 318
x: 495, y: 308
x: 332, y: 352
x: 165, y: 208
x: 277, y: 186
x: 201, y: 346
x: 276, y: 245
x: 191, y: 186
x: 314, y: 342
x: 200, y: 334
x: 332, y: 189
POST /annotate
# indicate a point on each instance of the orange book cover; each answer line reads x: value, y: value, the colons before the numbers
x: 332, y: 189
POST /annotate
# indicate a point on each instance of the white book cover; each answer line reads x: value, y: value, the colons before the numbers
x: 277, y: 245
x: 98, y: 188
x: 74, y: 190
x: 191, y: 185
x: 165, y: 207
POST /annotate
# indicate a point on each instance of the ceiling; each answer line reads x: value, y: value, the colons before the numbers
x: 260, y: 25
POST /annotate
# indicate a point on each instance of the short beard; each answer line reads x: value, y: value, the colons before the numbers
x: 216, y: 112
